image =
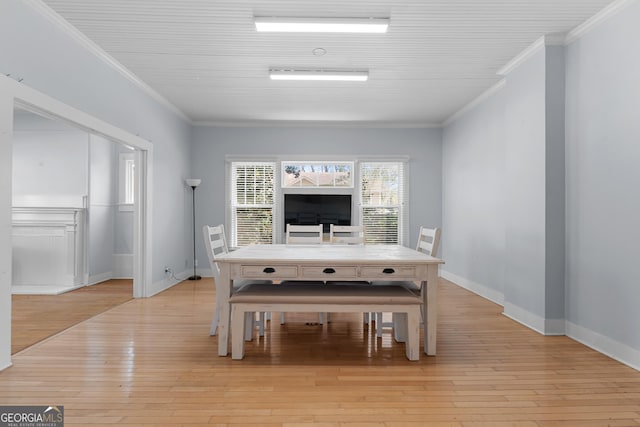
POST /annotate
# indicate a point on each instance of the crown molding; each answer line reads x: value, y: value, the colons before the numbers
x: 475, y: 102
x: 40, y: 7
x: 588, y: 25
x: 532, y: 49
x: 318, y: 124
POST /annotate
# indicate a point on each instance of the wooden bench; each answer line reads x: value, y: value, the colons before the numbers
x: 336, y: 298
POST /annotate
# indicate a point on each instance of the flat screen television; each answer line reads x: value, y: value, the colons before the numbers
x: 314, y: 209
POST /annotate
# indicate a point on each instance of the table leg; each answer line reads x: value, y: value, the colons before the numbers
x: 224, y: 292
x: 430, y: 305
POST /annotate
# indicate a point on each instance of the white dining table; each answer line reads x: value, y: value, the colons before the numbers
x: 329, y: 262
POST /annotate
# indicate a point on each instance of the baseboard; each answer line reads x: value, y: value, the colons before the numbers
x: 533, y: 321
x: 477, y: 288
x: 99, y: 278
x: 168, y: 282
x: 614, y: 349
x: 122, y: 266
x: 43, y: 289
x: 530, y: 320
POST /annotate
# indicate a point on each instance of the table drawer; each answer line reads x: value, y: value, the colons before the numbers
x: 330, y: 273
x: 269, y: 271
x: 388, y: 272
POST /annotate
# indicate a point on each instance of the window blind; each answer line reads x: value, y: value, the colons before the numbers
x: 252, y: 202
x: 382, y: 201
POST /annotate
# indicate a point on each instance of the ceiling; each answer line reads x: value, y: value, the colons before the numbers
x: 205, y: 57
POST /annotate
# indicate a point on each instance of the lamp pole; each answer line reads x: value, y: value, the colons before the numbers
x: 193, y: 183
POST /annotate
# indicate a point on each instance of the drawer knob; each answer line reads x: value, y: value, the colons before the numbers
x: 388, y: 271
x: 329, y: 271
x: 269, y: 270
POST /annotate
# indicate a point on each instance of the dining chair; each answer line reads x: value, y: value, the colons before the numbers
x: 346, y: 234
x: 303, y: 234
x: 428, y: 243
x: 216, y: 244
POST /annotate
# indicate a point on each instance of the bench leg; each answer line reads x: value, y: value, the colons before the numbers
x: 412, y: 328
x: 237, y: 332
x: 249, y: 324
x: 400, y: 327
x: 261, y: 322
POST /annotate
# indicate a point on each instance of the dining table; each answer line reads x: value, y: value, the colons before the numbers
x: 329, y: 262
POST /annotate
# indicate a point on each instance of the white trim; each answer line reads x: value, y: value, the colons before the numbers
x: 316, y: 124
x: 533, y: 321
x: 99, y: 278
x: 524, y: 317
x: 475, y: 102
x: 166, y: 283
x: 43, y: 289
x: 48, y: 13
x: 477, y: 288
x: 597, y: 19
x: 31, y: 100
x: 616, y: 350
x: 532, y: 49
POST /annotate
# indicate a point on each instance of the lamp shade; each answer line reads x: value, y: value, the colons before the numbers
x: 191, y: 182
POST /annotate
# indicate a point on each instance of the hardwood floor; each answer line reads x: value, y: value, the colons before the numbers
x: 150, y: 362
x: 36, y: 317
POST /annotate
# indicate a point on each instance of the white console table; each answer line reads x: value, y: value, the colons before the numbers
x: 48, y: 250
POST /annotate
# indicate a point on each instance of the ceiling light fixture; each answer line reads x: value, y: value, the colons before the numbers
x: 327, y: 75
x: 322, y: 25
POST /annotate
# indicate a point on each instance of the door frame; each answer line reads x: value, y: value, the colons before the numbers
x: 14, y: 94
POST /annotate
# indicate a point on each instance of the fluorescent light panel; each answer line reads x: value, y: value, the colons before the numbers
x: 327, y: 75
x: 322, y: 25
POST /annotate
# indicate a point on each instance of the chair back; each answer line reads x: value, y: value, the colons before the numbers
x: 346, y: 234
x: 216, y: 244
x: 429, y: 241
x: 304, y: 234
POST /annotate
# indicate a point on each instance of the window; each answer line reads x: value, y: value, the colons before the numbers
x: 317, y: 174
x: 382, y: 201
x: 252, y: 202
x: 126, y: 187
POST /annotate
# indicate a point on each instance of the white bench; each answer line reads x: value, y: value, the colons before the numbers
x: 344, y: 298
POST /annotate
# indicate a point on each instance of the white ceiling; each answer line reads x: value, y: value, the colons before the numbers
x: 205, y: 57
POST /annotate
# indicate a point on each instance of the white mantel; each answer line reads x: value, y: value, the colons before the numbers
x: 48, y: 249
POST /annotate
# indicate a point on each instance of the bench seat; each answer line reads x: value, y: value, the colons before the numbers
x: 345, y: 298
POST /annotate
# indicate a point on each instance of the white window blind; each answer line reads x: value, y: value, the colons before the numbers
x: 382, y: 201
x: 252, y: 202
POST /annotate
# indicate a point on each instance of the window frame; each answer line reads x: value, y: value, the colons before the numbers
x: 278, y: 163
x: 232, y: 204
x: 402, y: 195
x: 126, y: 181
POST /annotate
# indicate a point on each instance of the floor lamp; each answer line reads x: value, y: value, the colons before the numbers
x: 193, y: 183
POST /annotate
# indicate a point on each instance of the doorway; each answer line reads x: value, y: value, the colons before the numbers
x: 18, y: 96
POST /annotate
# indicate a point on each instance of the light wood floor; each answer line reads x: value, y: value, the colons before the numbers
x: 36, y: 317
x: 150, y: 362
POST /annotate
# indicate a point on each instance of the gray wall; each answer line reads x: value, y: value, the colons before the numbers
x: 474, y: 199
x: 603, y: 173
x: 50, y: 61
x: 563, y: 223
x: 423, y: 146
x: 525, y: 188
x: 102, y: 194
